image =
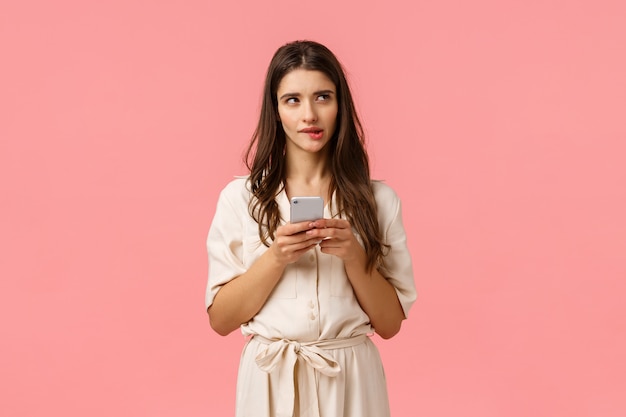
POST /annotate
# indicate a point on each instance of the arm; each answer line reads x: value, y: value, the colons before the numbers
x: 240, y: 299
x: 376, y: 295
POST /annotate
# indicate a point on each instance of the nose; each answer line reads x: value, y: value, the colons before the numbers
x: 309, y: 114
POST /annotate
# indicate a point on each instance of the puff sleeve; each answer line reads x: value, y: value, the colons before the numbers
x: 398, y: 267
x: 225, y: 240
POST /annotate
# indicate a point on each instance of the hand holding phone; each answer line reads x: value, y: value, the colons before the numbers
x: 306, y: 209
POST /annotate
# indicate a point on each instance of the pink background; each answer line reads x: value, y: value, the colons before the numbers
x: 501, y: 124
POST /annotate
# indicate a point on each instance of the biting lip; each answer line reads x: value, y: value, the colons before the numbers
x: 311, y: 130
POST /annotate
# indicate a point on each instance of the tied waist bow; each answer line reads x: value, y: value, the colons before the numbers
x: 281, y: 356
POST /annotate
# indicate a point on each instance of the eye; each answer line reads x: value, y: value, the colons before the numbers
x: 291, y: 100
x: 323, y: 97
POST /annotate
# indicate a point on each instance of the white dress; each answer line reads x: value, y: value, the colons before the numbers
x: 308, y: 353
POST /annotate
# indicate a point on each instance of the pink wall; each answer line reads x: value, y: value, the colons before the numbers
x: 500, y: 124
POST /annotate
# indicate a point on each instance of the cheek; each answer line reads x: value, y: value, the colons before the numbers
x: 287, y: 127
x: 284, y: 119
x: 332, y: 117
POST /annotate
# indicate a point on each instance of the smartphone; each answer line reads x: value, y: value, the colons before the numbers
x: 306, y: 208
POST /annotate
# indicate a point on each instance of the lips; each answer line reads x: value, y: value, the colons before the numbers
x: 313, y: 132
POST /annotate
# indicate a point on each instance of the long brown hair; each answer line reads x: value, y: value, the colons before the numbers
x: 348, y: 160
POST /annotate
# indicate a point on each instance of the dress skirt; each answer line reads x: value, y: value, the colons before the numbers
x: 285, y: 379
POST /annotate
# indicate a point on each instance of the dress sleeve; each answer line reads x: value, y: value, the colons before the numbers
x: 224, y: 246
x: 398, y: 267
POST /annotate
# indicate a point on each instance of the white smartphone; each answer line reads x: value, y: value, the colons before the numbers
x: 306, y: 208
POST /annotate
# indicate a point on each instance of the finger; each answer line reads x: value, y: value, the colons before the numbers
x: 331, y: 243
x: 307, y: 248
x: 296, y: 242
x: 289, y: 229
x: 301, y: 238
x: 330, y: 233
x: 334, y: 223
x: 303, y: 246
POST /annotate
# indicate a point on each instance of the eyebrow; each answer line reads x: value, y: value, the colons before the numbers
x: 316, y: 93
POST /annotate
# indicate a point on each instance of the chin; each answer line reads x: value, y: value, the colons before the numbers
x: 316, y: 149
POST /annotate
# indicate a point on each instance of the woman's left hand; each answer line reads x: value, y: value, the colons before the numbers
x: 337, y: 239
x: 375, y: 293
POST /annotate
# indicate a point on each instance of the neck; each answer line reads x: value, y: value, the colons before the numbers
x: 307, y: 175
x: 306, y: 166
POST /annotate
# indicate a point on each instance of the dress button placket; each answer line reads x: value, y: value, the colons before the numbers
x: 312, y: 305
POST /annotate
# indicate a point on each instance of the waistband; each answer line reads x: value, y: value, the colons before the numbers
x: 281, y: 355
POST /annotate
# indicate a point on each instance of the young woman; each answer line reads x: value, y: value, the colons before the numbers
x: 308, y: 294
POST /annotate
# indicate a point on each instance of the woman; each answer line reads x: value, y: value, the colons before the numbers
x: 309, y: 293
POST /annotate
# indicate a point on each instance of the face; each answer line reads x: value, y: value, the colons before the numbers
x: 307, y: 108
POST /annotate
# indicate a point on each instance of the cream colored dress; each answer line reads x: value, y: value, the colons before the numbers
x: 309, y: 353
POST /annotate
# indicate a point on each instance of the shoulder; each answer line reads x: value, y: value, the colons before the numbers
x: 386, y: 197
x: 236, y: 191
x: 237, y: 186
x: 383, y: 191
x: 387, y: 204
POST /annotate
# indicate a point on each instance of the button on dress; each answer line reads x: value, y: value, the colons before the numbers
x: 308, y: 353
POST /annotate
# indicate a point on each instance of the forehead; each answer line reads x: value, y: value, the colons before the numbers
x: 304, y: 81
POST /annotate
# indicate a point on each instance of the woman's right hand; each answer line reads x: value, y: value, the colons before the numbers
x: 291, y: 242
x: 241, y: 298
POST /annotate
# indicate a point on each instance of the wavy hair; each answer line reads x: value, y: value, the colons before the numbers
x: 348, y: 160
